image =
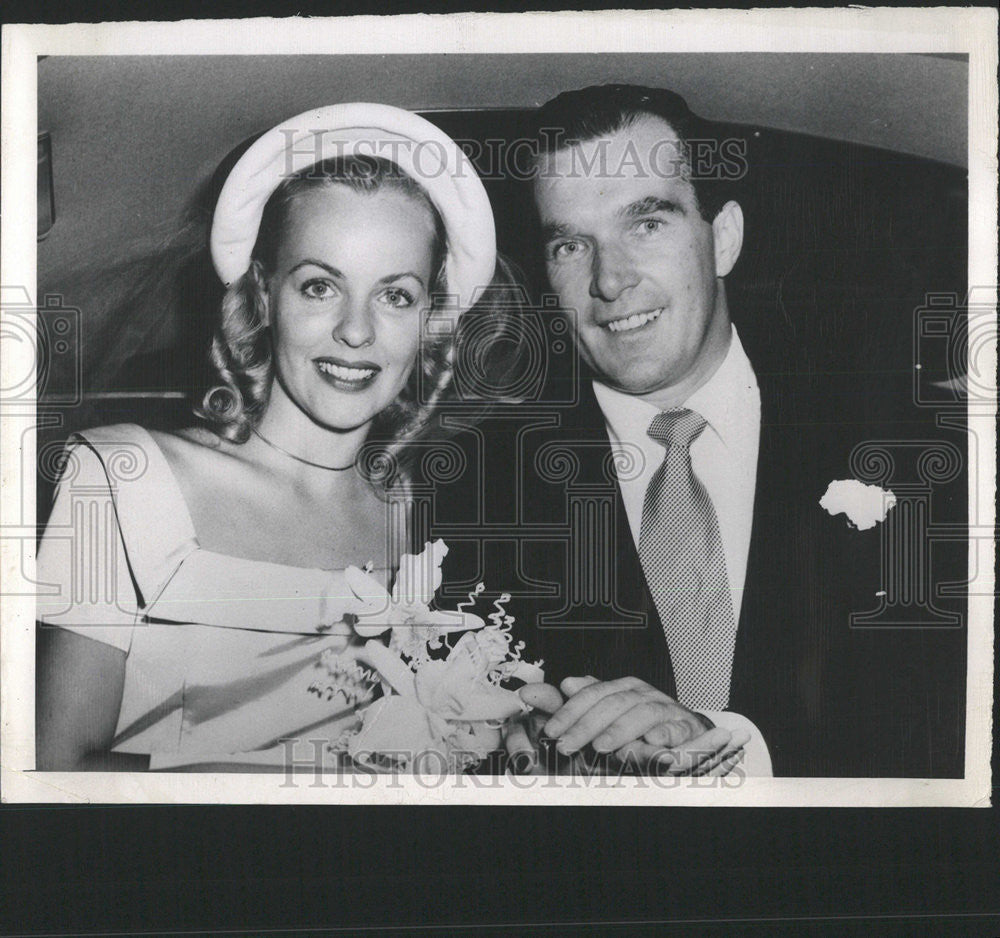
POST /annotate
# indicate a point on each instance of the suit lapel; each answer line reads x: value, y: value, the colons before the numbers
x: 752, y: 644
x: 628, y: 650
x: 783, y: 651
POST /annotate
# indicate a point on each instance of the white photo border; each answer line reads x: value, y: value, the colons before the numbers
x: 970, y: 31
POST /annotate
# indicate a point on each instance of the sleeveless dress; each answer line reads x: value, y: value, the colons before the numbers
x: 222, y: 654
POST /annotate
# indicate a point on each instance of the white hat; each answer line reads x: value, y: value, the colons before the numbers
x: 421, y: 150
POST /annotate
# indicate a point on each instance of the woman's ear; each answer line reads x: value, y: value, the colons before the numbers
x: 727, y: 227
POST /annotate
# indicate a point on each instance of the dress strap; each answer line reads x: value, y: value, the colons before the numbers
x: 153, y: 517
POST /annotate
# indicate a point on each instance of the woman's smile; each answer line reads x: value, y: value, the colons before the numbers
x: 347, y: 376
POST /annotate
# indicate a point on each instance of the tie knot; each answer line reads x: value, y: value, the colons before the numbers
x: 676, y: 427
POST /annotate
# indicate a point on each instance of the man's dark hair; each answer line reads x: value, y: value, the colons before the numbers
x: 601, y: 110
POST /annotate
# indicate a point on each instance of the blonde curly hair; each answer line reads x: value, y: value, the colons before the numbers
x: 241, y: 354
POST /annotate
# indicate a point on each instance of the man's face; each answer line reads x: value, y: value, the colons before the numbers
x: 635, y: 265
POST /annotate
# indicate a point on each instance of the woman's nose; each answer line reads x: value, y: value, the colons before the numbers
x: 612, y: 273
x: 355, y: 327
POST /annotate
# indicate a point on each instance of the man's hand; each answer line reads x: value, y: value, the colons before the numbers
x: 637, y: 723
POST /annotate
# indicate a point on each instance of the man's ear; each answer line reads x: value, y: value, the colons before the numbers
x: 727, y: 228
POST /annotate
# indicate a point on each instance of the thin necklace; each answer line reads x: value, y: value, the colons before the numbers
x: 316, y: 465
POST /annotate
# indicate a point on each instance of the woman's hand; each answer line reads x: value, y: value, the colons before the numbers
x: 522, y: 733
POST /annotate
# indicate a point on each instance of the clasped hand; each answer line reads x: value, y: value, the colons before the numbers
x: 627, y: 719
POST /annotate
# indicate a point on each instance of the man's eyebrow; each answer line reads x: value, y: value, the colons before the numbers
x: 552, y: 230
x: 637, y: 209
x: 649, y: 205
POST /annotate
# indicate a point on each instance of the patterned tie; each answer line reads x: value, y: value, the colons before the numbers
x: 681, y: 553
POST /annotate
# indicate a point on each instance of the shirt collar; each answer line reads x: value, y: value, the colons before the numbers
x: 729, y: 401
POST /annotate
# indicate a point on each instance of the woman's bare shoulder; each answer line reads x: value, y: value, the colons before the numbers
x: 191, y: 440
x: 195, y: 449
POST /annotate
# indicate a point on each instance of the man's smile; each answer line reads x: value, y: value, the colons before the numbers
x: 633, y: 320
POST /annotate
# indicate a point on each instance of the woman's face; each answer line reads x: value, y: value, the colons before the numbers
x: 347, y: 299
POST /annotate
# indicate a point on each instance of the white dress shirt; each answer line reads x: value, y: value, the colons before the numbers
x: 723, y: 458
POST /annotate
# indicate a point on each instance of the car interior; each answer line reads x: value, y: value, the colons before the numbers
x: 855, y: 201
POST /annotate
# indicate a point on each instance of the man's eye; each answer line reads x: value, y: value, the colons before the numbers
x: 649, y: 226
x: 398, y: 298
x: 317, y: 289
x: 565, y: 250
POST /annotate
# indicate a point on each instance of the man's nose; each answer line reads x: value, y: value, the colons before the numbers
x: 355, y: 327
x: 612, y: 273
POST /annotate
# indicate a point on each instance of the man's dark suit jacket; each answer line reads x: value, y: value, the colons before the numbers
x: 537, y: 512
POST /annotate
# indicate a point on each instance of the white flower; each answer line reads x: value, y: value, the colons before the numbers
x: 445, y: 706
x: 457, y: 688
x: 864, y: 505
x: 408, y: 607
x: 452, y: 704
x: 494, y: 644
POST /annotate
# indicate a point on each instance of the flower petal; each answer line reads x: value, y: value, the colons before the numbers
x: 393, y: 726
x: 419, y: 575
x: 371, y: 603
x: 492, y: 703
x: 389, y: 666
x: 478, y: 738
x: 450, y: 620
x: 366, y: 588
x: 529, y: 673
x: 457, y: 689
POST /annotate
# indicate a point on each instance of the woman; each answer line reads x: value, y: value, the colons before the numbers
x: 210, y: 575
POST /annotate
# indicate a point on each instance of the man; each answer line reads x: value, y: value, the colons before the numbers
x: 732, y: 588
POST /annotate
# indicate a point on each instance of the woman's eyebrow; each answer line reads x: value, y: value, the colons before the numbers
x: 309, y: 262
x: 648, y: 205
x: 408, y: 273
x: 334, y: 272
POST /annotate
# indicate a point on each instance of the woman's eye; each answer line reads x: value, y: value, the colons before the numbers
x: 398, y: 297
x: 317, y: 289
